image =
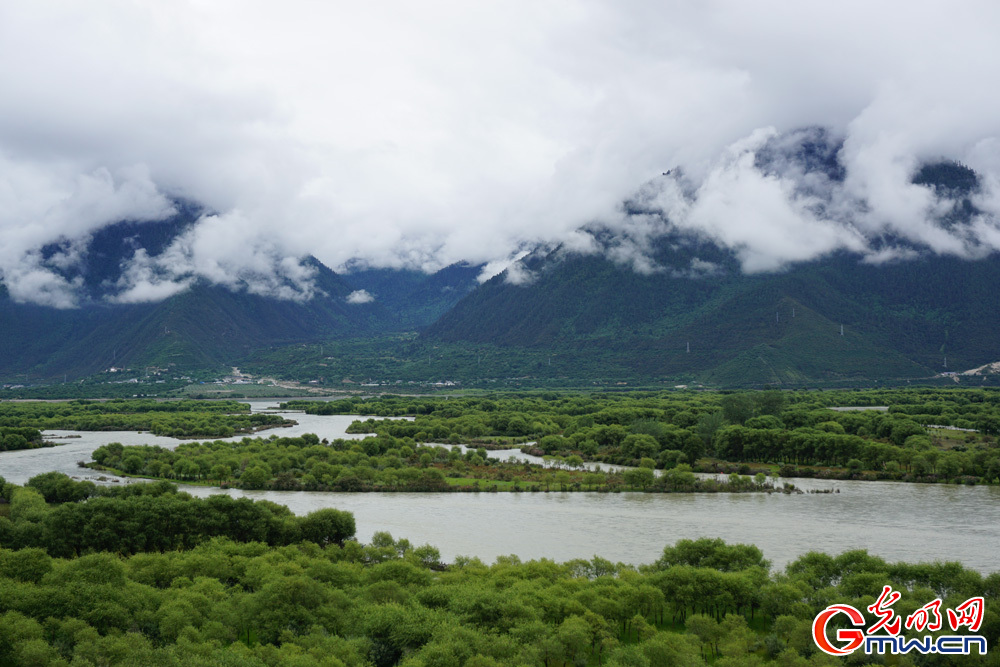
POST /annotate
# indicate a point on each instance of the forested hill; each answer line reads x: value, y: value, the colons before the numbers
x: 413, y: 298
x: 692, y: 315
x: 695, y: 313
x: 206, y: 326
x: 899, y: 320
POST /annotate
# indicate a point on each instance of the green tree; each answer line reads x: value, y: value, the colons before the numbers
x: 737, y: 408
x: 327, y: 526
x: 254, y: 478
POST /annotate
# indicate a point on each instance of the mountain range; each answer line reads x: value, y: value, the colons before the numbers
x: 695, y: 316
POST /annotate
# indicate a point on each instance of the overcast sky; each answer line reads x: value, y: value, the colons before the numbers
x: 424, y: 133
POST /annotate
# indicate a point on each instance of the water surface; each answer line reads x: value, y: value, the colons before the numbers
x: 911, y: 522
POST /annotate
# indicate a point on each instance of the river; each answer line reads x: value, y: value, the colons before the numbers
x: 911, y: 522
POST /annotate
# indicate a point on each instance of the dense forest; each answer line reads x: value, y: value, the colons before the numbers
x: 792, y: 433
x: 68, y: 518
x: 181, y: 419
x: 145, y: 575
x: 14, y: 437
x: 385, y: 463
x: 919, y: 435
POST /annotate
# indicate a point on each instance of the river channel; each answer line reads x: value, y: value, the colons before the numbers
x: 911, y: 522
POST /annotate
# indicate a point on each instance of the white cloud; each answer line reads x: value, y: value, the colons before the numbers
x: 224, y: 250
x: 518, y: 274
x: 360, y: 296
x: 498, y: 266
x: 425, y: 134
x: 760, y: 216
x: 42, y: 203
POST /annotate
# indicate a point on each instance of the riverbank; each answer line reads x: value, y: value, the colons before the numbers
x: 625, y: 526
x: 496, y: 477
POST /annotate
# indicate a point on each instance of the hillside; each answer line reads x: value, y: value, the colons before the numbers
x: 415, y: 299
x: 206, y: 326
x: 900, y: 320
x: 697, y: 314
x: 693, y: 314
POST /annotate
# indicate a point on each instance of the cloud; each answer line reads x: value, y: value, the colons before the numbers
x: 360, y: 296
x: 518, y: 274
x: 222, y: 250
x: 776, y: 199
x: 420, y: 135
x: 762, y: 217
x: 42, y: 204
x: 498, y: 266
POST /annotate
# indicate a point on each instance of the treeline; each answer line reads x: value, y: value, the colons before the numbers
x: 183, y: 419
x: 65, y: 518
x: 386, y: 603
x: 76, y: 407
x: 795, y: 431
x: 96, y: 388
x: 289, y: 464
x: 12, y: 437
x: 384, y: 463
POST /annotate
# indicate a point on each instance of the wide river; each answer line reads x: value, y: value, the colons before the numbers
x: 897, y: 521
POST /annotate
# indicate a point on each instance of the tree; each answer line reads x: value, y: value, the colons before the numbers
x: 737, y: 638
x: 25, y: 564
x: 737, y: 408
x: 254, y: 478
x: 27, y: 504
x: 708, y: 424
x: 220, y: 472
x: 770, y: 402
x: 575, y: 636
x: 639, y: 477
x: 327, y: 526
x: 705, y: 628
x: 640, y: 445
x: 59, y: 488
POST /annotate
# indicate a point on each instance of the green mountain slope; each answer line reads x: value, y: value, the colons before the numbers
x: 900, y: 320
x: 413, y: 298
x: 204, y: 327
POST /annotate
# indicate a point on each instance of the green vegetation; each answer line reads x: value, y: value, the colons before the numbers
x: 900, y: 320
x: 224, y: 582
x: 795, y: 433
x: 13, y: 437
x: 181, y: 419
x: 384, y: 463
x: 408, y: 360
x: 48, y: 514
x: 97, y: 386
x: 247, y: 391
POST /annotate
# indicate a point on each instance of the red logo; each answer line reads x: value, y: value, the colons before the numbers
x: 854, y: 638
x: 968, y: 614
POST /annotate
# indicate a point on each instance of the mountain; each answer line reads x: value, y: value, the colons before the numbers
x: 697, y: 315
x: 686, y: 312
x: 416, y: 299
x: 205, y: 326
x: 899, y: 321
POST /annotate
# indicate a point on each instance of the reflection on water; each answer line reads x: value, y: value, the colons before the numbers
x: 911, y: 522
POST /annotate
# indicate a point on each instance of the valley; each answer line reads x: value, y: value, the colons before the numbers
x: 503, y: 334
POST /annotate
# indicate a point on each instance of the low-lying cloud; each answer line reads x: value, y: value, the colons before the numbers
x: 217, y: 249
x: 360, y: 296
x: 419, y: 135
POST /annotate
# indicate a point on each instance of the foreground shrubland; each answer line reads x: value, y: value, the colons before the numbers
x: 243, y: 583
